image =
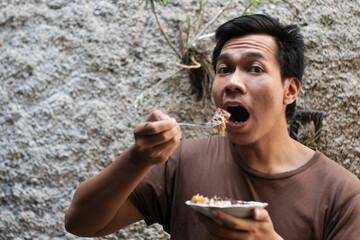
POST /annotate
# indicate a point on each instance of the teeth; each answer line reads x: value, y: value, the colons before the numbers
x: 236, y: 121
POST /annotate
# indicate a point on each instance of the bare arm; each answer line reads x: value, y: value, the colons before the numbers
x: 100, y: 205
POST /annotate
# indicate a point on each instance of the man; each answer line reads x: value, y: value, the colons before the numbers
x: 259, y: 65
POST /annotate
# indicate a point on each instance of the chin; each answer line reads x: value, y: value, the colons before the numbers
x: 240, y: 139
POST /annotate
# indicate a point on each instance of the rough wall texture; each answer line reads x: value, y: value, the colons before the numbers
x: 70, y: 73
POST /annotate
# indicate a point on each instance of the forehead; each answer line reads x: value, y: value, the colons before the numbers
x: 264, y: 44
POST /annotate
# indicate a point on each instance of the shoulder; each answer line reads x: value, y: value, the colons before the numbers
x: 335, y: 171
x: 341, y: 184
x: 342, y: 194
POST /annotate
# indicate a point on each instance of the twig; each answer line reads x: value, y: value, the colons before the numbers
x: 147, y: 91
x: 162, y: 30
x: 173, y: 96
x: 208, y: 24
x: 200, y: 21
x: 196, y: 65
x: 208, y: 35
x: 181, y: 42
x: 188, y: 30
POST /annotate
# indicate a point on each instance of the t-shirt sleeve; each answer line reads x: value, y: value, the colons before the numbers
x: 345, y: 222
x: 153, y: 196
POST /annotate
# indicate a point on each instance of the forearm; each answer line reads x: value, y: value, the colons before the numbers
x: 97, y: 206
x: 97, y: 200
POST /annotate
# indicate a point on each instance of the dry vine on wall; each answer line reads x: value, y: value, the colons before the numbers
x: 193, y: 57
x: 194, y: 60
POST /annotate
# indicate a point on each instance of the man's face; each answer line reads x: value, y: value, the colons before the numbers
x: 248, y: 85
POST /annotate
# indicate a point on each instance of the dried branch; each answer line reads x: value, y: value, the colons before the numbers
x: 163, y: 31
x: 196, y: 65
x: 208, y: 24
x: 193, y: 60
x: 147, y: 91
x: 173, y: 96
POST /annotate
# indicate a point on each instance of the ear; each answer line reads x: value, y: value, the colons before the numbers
x: 292, y: 87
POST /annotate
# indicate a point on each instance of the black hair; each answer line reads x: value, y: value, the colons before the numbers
x: 289, y: 40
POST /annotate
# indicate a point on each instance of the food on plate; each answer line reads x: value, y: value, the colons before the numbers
x: 236, y: 208
x: 216, y: 201
x: 199, y: 199
x: 219, y: 120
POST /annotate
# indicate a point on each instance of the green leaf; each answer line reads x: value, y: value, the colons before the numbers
x: 187, y: 21
x: 140, y: 99
x: 248, y: 13
x: 249, y: 4
x: 202, y: 5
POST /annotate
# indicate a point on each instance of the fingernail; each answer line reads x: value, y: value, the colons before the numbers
x: 257, y: 213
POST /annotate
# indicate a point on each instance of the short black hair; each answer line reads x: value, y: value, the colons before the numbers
x: 289, y: 40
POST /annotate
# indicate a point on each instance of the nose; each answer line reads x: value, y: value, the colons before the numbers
x: 235, y: 84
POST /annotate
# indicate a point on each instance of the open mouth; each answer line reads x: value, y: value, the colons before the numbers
x: 238, y: 114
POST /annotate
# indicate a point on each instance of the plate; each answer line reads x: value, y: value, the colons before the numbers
x: 241, y: 210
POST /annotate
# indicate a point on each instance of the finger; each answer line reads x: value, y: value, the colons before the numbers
x: 157, y: 115
x: 241, y: 224
x: 169, y: 149
x: 166, y: 147
x: 149, y: 141
x: 154, y: 127
x: 162, y: 152
x: 261, y: 214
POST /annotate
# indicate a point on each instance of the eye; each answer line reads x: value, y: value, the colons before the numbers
x: 256, y: 69
x: 224, y: 70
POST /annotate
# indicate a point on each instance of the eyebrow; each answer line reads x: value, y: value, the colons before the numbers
x: 225, y: 56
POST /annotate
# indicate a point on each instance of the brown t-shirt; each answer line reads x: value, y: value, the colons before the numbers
x: 319, y: 200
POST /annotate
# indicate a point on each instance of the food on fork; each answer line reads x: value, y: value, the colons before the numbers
x: 219, y: 120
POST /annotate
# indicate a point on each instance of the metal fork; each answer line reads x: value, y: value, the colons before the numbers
x: 201, y: 125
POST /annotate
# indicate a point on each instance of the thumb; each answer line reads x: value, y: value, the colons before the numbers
x: 260, y: 214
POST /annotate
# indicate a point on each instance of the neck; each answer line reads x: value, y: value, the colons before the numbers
x: 275, y: 153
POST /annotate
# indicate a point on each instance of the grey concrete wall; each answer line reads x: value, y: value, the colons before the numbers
x: 71, y: 71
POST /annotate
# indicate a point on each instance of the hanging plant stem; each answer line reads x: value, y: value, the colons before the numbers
x: 208, y: 24
x: 163, y: 31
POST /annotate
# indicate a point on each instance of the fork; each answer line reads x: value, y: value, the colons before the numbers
x: 201, y: 125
